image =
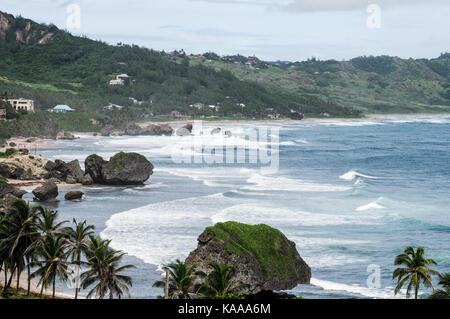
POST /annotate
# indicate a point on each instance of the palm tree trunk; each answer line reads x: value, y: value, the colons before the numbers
x: 29, y: 276
x: 76, y: 283
x: 416, y: 292
x: 10, y: 279
x: 42, y: 289
x: 54, y: 290
x: 18, y: 281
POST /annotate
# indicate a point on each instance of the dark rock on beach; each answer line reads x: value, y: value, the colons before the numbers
x: 265, y: 260
x: 47, y: 192
x: 87, y: 180
x: 93, y: 166
x: 216, y: 131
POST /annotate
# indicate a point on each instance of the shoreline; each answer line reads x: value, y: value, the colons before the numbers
x: 373, y: 117
x: 35, y: 289
x: 30, y: 143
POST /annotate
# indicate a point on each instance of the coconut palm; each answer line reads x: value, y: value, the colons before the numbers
x: 220, y: 281
x: 53, y: 263
x: 77, y: 239
x: 47, y: 222
x: 104, y: 272
x: 416, y: 270
x: 181, y: 280
x: 445, y: 292
x: 21, y: 230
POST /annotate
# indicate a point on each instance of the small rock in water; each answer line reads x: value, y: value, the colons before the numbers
x: 216, y: 131
x: 74, y: 195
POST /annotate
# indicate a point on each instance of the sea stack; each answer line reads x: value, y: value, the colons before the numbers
x: 265, y: 260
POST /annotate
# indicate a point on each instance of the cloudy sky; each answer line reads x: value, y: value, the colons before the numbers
x: 270, y: 29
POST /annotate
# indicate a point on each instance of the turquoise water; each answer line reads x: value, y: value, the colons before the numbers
x: 349, y: 193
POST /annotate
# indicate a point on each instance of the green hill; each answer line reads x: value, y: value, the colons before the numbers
x: 54, y: 67
x: 380, y: 84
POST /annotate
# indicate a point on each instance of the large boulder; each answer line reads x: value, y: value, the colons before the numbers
x: 265, y: 260
x: 75, y: 170
x: 126, y: 169
x: 93, y: 166
x: 47, y: 192
x: 74, y: 195
x: 216, y: 131
x: 188, y: 127
x: 107, y: 130
x: 7, y: 201
x: 65, y: 136
x: 87, y: 180
x: 183, y: 132
x: 5, y: 189
x: 157, y: 130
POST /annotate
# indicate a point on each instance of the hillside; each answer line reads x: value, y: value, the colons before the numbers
x: 380, y: 84
x: 53, y: 67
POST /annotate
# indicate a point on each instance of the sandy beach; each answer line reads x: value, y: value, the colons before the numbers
x: 35, y: 288
x: 30, y: 143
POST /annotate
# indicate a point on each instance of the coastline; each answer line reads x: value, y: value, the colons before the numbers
x: 35, y: 289
x: 30, y: 143
x: 373, y: 117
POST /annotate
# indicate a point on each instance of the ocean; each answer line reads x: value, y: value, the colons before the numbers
x: 352, y: 194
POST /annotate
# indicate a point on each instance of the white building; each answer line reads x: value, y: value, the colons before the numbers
x: 22, y: 104
x: 61, y: 108
x: 120, y: 79
x: 113, y: 107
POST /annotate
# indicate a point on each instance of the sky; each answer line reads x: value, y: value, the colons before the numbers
x: 286, y: 30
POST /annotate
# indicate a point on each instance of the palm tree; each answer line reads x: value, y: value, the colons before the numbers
x: 445, y: 292
x: 104, y: 270
x: 77, y: 239
x: 53, y: 262
x: 181, y: 280
x: 416, y: 270
x: 220, y: 280
x: 47, y: 222
x: 20, y: 223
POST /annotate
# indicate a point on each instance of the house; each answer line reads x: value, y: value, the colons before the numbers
x: 61, y: 108
x: 120, y: 79
x: 176, y: 115
x: 198, y: 106
x: 113, y: 107
x: 22, y: 104
x: 215, y: 107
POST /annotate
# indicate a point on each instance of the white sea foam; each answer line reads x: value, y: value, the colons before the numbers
x: 279, y: 183
x: 352, y: 174
x: 370, y: 206
x: 383, y: 293
x: 255, y: 213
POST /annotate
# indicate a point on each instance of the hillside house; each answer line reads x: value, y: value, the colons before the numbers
x: 22, y: 105
x: 120, y: 79
x: 61, y: 108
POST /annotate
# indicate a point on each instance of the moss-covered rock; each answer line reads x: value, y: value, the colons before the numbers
x: 126, y: 169
x: 264, y: 258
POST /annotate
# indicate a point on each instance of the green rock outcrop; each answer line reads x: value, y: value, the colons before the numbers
x: 264, y: 258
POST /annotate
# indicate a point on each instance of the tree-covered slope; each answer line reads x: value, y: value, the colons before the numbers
x: 372, y: 84
x: 53, y: 67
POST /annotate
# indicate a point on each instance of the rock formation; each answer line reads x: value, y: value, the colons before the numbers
x: 122, y: 169
x: 74, y: 195
x: 47, y: 192
x: 264, y: 258
x: 127, y: 169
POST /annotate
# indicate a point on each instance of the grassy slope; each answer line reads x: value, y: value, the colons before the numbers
x: 372, y: 84
x: 261, y: 241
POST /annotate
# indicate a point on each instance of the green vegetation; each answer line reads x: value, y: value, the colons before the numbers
x: 31, y: 238
x: 370, y: 84
x: 7, y: 153
x: 220, y: 283
x: 181, y: 280
x: 76, y: 71
x: 443, y: 293
x: 416, y: 270
x: 265, y: 243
